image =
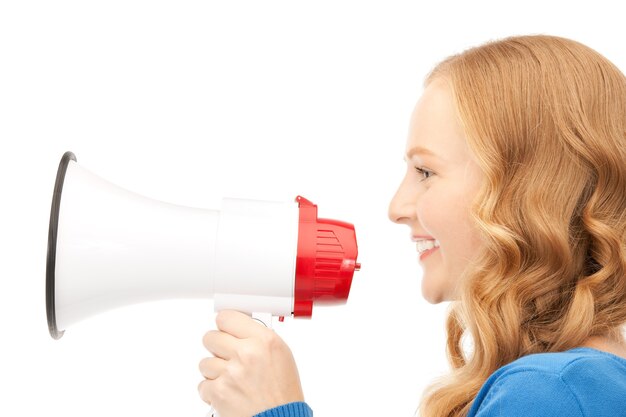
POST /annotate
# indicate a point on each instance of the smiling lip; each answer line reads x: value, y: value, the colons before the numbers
x: 416, y: 238
x: 427, y: 253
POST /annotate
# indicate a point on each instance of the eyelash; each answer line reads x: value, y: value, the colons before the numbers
x: 422, y: 171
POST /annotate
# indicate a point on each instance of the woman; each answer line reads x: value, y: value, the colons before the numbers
x: 515, y: 194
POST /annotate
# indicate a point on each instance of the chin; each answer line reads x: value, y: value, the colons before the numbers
x: 432, y: 295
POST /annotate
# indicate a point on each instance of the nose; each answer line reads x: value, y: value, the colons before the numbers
x: 402, y: 205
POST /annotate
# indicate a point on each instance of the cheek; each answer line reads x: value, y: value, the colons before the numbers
x: 446, y: 216
x: 435, y: 211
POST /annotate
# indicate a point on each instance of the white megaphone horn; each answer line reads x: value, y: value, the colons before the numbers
x: 109, y: 247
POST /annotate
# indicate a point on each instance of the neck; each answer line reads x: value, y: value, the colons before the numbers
x: 613, y: 343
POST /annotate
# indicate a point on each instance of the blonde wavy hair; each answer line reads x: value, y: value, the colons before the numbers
x: 546, y: 119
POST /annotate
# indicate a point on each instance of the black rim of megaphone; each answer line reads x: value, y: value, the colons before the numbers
x: 52, y: 245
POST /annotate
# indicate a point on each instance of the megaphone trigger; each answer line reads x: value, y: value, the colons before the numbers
x: 263, y: 318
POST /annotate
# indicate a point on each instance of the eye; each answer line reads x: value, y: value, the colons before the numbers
x: 424, y: 172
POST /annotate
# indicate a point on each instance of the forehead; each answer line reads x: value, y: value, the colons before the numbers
x: 435, y: 129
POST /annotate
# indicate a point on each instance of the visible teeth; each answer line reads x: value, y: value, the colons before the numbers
x: 424, y: 245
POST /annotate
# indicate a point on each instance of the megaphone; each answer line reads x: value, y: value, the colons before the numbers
x: 109, y: 247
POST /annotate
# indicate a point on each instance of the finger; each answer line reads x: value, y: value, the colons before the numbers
x: 239, y: 325
x: 220, y: 344
x: 212, y: 368
x: 205, y: 390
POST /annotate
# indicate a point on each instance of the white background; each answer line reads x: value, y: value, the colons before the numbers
x: 191, y: 101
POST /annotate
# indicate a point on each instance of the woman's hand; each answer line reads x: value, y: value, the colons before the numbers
x: 252, y: 369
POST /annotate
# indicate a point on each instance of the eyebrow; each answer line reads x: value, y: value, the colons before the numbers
x: 420, y: 150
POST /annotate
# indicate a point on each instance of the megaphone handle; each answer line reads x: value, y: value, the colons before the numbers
x: 266, y: 320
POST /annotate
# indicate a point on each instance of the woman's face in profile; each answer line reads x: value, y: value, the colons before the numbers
x: 441, y: 180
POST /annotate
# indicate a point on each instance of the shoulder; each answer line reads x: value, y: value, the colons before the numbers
x: 579, y: 382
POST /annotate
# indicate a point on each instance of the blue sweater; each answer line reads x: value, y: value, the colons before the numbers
x: 288, y: 410
x: 581, y: 382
